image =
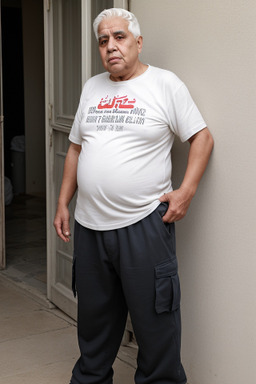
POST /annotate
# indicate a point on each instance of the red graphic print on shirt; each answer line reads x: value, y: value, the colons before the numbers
x: 117, y: 102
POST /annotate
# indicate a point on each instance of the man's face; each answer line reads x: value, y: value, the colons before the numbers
x: 119, y: 50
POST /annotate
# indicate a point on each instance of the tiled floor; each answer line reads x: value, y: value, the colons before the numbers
x: 26, y: 241
x: 26, y: 265
x: 39, y: 345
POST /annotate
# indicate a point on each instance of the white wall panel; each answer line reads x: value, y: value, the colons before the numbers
x: 210, y: 45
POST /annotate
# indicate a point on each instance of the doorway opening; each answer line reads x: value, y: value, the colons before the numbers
x: 24, y: 141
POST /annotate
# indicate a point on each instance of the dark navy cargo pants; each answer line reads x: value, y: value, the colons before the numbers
x: 132, y: 268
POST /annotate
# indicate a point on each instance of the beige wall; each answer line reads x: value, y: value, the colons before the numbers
x: 33, y: 53
x: 210, y: 45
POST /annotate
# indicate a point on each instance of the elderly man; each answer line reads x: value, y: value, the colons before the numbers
x: 119, y: 159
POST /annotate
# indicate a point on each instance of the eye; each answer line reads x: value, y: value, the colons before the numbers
x: 103, y: 42
x: 119, y: 37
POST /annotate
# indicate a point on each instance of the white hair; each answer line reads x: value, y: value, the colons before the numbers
x: 133, y: 25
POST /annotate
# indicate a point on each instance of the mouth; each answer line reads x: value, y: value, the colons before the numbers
x: 113, y: 60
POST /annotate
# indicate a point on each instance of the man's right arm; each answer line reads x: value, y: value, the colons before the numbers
x: 67, y: 191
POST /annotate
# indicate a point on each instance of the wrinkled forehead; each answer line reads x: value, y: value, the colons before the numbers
x: 112, y: 25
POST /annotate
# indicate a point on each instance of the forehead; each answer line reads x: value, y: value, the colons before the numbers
x: 111, y: 25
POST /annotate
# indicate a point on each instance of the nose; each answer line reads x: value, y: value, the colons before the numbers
x: 111, y: 44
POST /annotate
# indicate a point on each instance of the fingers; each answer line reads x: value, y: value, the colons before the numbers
x: 177, y: 206
x: 164, y: 198
x: 65, y: 234
x: 65, y: 228
x: 62, y: 229
x: 168, y: 216
x: 171, y: 216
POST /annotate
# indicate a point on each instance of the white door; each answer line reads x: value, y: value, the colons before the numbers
x: 2, y: 206
x: 70, y: 59
x: 63, y: 88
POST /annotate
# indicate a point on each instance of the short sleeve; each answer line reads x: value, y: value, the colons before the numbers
x: 75, y: 133
x: 186, y: 118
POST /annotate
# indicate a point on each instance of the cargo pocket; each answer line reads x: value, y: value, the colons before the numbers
x: 167, y: 287
x: 74, y: 275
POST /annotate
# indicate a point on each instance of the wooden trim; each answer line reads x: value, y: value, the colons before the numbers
x: 64, y: 299
x: 48, y: 139
x: 86, y: 38
x: 2, y: 201
x: 2, y: 197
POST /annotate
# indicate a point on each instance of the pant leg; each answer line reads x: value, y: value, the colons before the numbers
x: 151, y: 286
x: 102, y: 310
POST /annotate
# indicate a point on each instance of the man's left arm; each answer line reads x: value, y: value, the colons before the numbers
x: 201, y: 145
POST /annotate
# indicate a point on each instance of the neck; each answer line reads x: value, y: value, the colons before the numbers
x: 140, y: 68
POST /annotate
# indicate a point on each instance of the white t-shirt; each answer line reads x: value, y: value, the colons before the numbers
x: 126, y: 130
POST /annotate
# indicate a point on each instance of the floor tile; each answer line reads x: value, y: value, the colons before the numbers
x: 26, y: 241
x: 27, y: 324
x: 11, y: 301
x: 57, y: 373
x: 37, y: 345
x: 33, y: 352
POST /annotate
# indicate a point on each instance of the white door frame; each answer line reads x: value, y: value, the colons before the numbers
x: 58, y: 293
x: 56, y: 146
x: 2, y: 197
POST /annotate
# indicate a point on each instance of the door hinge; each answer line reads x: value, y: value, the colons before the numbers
x: 1, y: 119
x: 49, y: 111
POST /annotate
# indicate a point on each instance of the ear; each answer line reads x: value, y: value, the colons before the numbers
x: 139, y: 43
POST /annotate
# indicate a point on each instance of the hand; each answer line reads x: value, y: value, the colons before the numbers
x: 61, y: 223
x: 179, y: 201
